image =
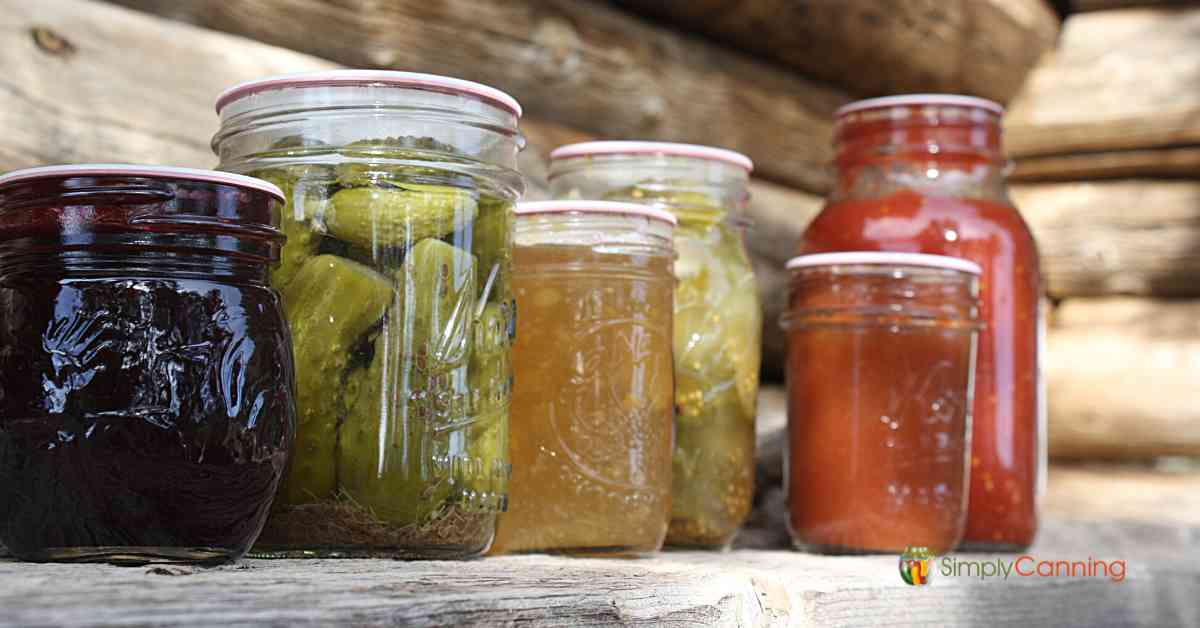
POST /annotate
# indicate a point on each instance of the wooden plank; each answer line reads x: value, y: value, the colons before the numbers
x: 1122, y: 493
x: 580, y: 63
x: 1126, y: 79
x: 1116, y: 237
x: 740, y: 588
x: 1175, y: 161
x: 1104, y: 5
x: 1123, y: 378
x: 878, y: 47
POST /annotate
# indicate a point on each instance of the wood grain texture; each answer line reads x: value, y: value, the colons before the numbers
x: 1123, y: 378
x: 581, y: 63
x: 1173, y: 161
x: 1093, y: 492
x: 740, y: 588
x: 1126, y: 79
x: 1138, y: 237
x: 880, y: 47
x: 1104, y: 5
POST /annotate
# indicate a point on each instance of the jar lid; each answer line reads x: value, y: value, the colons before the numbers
x: 595, y: 207
x: 365, y: 78
x: 921, y: 100
x: 134, y: 170
x: 861, y: 258
x: 711, y: 153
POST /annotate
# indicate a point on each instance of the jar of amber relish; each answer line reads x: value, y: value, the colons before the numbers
x: 881, y: 354
x: 591, y: 419
x: 925, y: 173
x: 718, y: 319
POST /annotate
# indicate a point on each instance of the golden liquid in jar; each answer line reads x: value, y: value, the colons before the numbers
x: 591, y: 417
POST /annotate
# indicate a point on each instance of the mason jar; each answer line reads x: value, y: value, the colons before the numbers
x: 717, y: 343
x: 925, y: 173
x: 146, y: 409
x: 399, y: 191
x: 881, y: 359
x: 592, y: 399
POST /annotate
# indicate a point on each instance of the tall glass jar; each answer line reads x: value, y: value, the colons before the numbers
x: 881, y: 353
x: 399, y: 199
x: 146, y: 409
x: 592, y: 399
x: 718, y: 319
x: 925, y: 174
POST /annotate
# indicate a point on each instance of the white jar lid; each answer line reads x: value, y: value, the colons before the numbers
x: 884, y: 258
x: 921, y: 100
x: 134, y: 170
x: 333, y: 78
x: 595, y: 207
x: 711, y: 153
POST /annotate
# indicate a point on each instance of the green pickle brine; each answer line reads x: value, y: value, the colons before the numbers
x: 396, y: 284
x: 718, y: 317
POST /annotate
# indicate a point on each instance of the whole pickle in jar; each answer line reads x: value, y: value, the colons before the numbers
x: 377, y: 217
x: 330, y: 304
x: 304, y: 205
x: 492, y: 246
x: 491, y: 392
x: 364, y: 171
x: 439, y: 303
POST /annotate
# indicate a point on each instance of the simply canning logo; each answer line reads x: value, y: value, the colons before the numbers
x: 914, y: 565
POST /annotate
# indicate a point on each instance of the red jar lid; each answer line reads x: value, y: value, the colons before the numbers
x: 595, y: 207
x: 132, y: 170
x: 710, y: 153
x: 884, y: 258
x: 366, y: 78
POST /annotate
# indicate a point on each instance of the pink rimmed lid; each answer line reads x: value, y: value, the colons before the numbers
x: 623, y: 147
x: 921, y: 100
x: 882, y: 258
x: 595, y: 207
x: 365, y: 78
x: 134, y: 170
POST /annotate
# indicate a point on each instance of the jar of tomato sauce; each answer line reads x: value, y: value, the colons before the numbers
x: 881, y: 349
x: 926, y: 174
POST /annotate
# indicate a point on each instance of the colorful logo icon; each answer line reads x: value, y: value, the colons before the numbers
x: 914, y: 565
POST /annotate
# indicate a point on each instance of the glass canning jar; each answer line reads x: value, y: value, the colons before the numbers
x: 925, y: 173
x: 399, y: 219
x: 146, y: 409
x: 881, y: 355
x: 718, y: 318
x: 592, y: 399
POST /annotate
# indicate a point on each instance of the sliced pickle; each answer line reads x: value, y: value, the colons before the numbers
x: 375, y: 218
x: 329, y: 304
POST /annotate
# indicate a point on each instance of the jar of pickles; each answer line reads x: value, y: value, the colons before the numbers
x: 592, y: 399
x: 146, y: 409
x: 396, y: 279
x: 925, y: 173
x: 717, y: 316
x: 881, y: 356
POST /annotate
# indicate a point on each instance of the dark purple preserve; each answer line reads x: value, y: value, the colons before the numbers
x: 146, y: 409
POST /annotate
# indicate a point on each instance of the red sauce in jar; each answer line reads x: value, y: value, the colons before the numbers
x: 929, y: 179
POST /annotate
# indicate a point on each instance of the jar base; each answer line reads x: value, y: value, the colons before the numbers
x: 395, y: 553
x: 991, y: 547
x: 844, y: 550
x: 610, y: 551
x: 132, y: 556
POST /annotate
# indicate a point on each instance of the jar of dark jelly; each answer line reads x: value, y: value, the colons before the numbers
x: 146, y: 408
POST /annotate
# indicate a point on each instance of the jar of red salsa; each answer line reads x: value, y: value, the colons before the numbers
x: 926, y: 174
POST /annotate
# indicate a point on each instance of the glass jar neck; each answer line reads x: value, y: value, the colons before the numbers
x: 598, y: 232
x: 905, y: 297
x: 699, y: 192
x: 399, y: 126
x: 945, y: 150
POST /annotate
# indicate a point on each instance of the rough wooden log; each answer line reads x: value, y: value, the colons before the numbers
x: 580, y: 63
x: 1096, y: 492
x: 1175, y: 161
x: 1104, y: 5
x: 1123, y: 379
x: 1119, y: 80
x: 878, y: 47
x: 1118, y: 237
x: 740, y: 589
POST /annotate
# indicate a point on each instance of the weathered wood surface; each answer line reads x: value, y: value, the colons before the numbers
x: 740, y: 588
x: 585, y: 64
x: 1123, y: 378
x: 880, y: 47
x: 1104, y: 5
x: 1125, y: 79
x: 1172, y: 161
x: 1098, y: 492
